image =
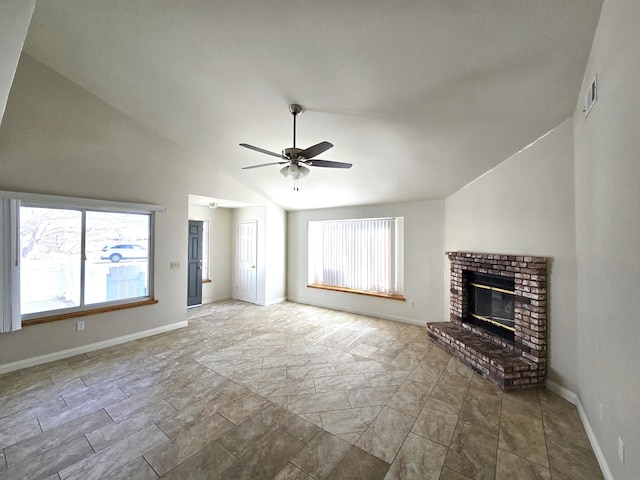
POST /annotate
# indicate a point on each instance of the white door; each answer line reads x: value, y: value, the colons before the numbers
x: 247, y: 280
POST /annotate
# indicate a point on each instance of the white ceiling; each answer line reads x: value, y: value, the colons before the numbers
x: 421, y: 96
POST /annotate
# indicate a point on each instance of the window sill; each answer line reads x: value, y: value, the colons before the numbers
x: 391, y: 296
x: 84, y: 313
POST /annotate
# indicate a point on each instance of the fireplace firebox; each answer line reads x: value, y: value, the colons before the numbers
x: 491, y: 303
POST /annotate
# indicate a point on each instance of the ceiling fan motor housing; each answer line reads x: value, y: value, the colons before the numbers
x: 291, y: 153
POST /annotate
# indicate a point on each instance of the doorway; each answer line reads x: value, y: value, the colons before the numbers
x: 246, y: 261
x: 194, y: 268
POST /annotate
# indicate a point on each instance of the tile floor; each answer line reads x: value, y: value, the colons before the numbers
x: 281, y: 392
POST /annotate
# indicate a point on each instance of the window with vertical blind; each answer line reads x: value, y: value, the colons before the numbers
x: 358, y: 255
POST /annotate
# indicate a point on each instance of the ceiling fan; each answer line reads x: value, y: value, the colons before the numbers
x: 296, y: 160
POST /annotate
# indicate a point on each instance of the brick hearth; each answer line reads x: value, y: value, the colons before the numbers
x: 511, y: 365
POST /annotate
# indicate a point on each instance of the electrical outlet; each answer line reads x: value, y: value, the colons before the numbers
x: 601, y: 415
x: 174, y: 265
x: 620, y: 450
x: 412, y: 304
x: 79, y: 326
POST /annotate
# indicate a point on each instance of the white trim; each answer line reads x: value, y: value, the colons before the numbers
x: 50, y: 357
x: 395, y: 318
x: 55, y: 200
x: 276, y: 300
x: 571, y: 397
x: 220, y: 298
x: 604, y: 466
x: 568, y: 395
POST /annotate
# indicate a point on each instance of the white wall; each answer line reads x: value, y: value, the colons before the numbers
x: 220, y: 258
x: 525, y: 205
x: 58, y: 139
x: 607, y: 183
x: 271, y: 246
x: 276, y: 261
x: 15, y: 16
x: 423, y: 262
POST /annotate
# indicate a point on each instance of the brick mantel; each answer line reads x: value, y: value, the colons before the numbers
x: 518, y: 364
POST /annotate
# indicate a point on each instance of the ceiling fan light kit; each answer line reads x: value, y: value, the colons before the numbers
x: 296, y: 159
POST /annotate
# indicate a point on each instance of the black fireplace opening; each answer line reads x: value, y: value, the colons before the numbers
x: 491, y: 303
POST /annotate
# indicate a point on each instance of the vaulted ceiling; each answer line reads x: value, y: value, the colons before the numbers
x: 422, y: 96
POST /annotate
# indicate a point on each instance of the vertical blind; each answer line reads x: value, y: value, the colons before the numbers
x: 356, y: 254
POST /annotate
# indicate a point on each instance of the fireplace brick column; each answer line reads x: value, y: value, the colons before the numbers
x: 511, y: 365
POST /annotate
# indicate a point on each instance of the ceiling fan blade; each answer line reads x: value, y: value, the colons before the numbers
x: 315, y: 150
x: 261, y: 150
x: 264, y: 165
x: 328, y: 164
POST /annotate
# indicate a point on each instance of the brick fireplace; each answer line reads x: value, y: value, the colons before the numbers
x: 517, y: 364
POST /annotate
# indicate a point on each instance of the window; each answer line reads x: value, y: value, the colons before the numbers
x: 72, y: 256
x: 359, y: 255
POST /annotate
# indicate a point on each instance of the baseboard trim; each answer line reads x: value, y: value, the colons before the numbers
x: 568, y: 395
x: 394, y: 318
x: 50, y: 357
x: 604, y: 466
x: 571, y: 397
x: 276, y: 300
x: 221, y: 298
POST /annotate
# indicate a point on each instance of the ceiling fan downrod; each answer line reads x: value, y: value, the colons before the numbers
x: 295, y: 110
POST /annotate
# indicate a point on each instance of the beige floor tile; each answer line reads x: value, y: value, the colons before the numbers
x: 243, y: 437
x: 34, y: 446
x: 427, y: 372
x: 340, y: 382
x: 301, y: 429
x: 473, y: 451
x: 526, y: 402
x: 135, y: 470
x: 92, y: 404
x: 321, y: 455
x: 168, y: 455
x: 310, y: 371
x: 349, y: 420
x: 99, y: 464
x: 523, y: 435
x: 116, y: 431
x: 437, y: 421
x: 291, y: 472
x: 302, y: 370
x: 482, y: 409
x: 392, y: 377
x: 318, y: 402
x: 52, y: 460
x: 287, y: 387
x: 367, y: 397
x: 510, y: 465
x: 418, y: 458
x: 448, y: 474
x: 410, y: 398
x: 266, y: 459
x: 384, y: 437
x: 208, y: 463
x: 360, y: 464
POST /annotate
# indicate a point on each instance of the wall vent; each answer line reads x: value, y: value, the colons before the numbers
x: 590, y: 96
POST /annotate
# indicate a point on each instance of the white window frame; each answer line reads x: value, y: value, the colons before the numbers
x: 10, y: 317
x: 394, y: 284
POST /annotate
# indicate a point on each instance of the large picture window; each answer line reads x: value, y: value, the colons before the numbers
x: 72, y: 256
x: 359, y: 255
